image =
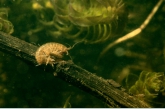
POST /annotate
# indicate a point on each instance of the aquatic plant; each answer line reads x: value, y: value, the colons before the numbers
x: 5, y: 25
x: 149, y: 84
x: 93, y: 21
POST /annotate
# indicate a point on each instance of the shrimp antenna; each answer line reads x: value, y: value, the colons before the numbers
x: 75, y: 44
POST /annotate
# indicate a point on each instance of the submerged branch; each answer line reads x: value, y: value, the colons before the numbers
x: 108, y: 92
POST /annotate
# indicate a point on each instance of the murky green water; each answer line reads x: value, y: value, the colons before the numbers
x: 98, y: 25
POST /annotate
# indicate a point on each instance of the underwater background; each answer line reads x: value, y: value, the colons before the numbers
x: 94, y: 24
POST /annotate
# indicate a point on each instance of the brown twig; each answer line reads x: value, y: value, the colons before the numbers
x: 108, y: 92
x: 136, y: 31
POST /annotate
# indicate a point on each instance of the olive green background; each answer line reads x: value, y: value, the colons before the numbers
x: 24, y: 85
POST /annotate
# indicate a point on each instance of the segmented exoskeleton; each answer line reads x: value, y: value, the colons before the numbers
x: 50, y: 53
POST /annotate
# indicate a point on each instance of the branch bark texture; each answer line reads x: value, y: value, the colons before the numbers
x: 107, y: 91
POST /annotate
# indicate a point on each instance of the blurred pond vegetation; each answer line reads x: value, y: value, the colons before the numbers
x: 23, y: 85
